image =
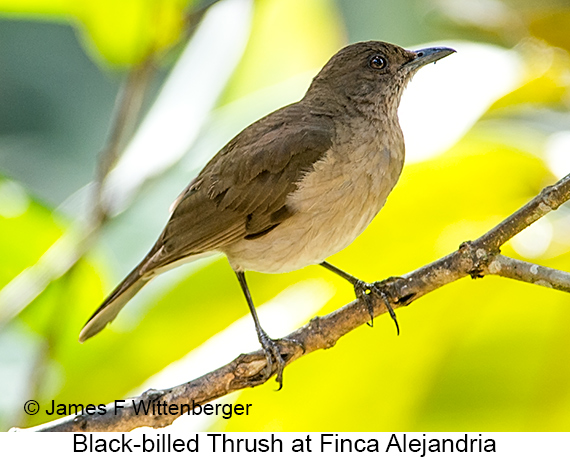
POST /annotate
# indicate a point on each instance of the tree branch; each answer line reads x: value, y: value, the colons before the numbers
x: 473, y: 258
x: 529, y: 272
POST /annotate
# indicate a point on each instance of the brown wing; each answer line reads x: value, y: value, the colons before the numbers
x: 242, y: 191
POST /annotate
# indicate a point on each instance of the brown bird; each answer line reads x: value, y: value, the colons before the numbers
x: 294, y: 187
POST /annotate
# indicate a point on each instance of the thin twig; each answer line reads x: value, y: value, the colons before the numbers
x: 529, y: 272
x: 475, y: 258
x: 127, y: 110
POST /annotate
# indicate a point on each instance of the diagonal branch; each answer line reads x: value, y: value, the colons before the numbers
x: 473, y: 258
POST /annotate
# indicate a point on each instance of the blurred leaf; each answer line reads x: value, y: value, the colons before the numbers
x: 552, y: 26
x: 546, y: 80
x: 124, y: 32
x: 288, y: 37
x: 27, y: 230
x: 34, y: 7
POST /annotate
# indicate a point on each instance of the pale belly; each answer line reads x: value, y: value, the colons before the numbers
x: 332, y: 207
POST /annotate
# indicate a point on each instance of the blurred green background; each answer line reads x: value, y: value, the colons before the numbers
x: 486, y: 129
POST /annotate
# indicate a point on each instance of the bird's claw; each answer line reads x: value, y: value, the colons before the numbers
x: 273, y: 356
x: 364, y: 290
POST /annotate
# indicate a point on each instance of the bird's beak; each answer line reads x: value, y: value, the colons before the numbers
x: 427, y: 55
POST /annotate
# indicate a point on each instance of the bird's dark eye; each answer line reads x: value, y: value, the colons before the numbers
x: 377, y: 62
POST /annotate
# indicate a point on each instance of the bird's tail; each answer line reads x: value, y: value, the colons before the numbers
x: 114, y: 303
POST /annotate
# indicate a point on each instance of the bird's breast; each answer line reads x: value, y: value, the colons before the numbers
x: 332, y: 205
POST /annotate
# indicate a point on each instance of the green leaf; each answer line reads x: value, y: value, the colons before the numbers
x: 551, y: 26
x: 122, y: 32
x: 27, y: 229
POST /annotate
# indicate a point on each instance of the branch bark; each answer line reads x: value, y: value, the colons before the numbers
x: 473, y: 258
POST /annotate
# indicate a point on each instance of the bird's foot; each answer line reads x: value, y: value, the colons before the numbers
x: 364, y: 291
x: 272, y: 351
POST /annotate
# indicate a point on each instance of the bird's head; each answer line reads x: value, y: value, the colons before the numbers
x: 374, y: 72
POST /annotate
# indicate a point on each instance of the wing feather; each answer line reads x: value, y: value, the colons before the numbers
x: 242, y: 191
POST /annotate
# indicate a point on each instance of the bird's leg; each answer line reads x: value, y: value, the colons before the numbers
x: 363, y: 290
x: 270, y: 347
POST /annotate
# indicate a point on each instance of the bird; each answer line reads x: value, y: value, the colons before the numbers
x: 294, y: 187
